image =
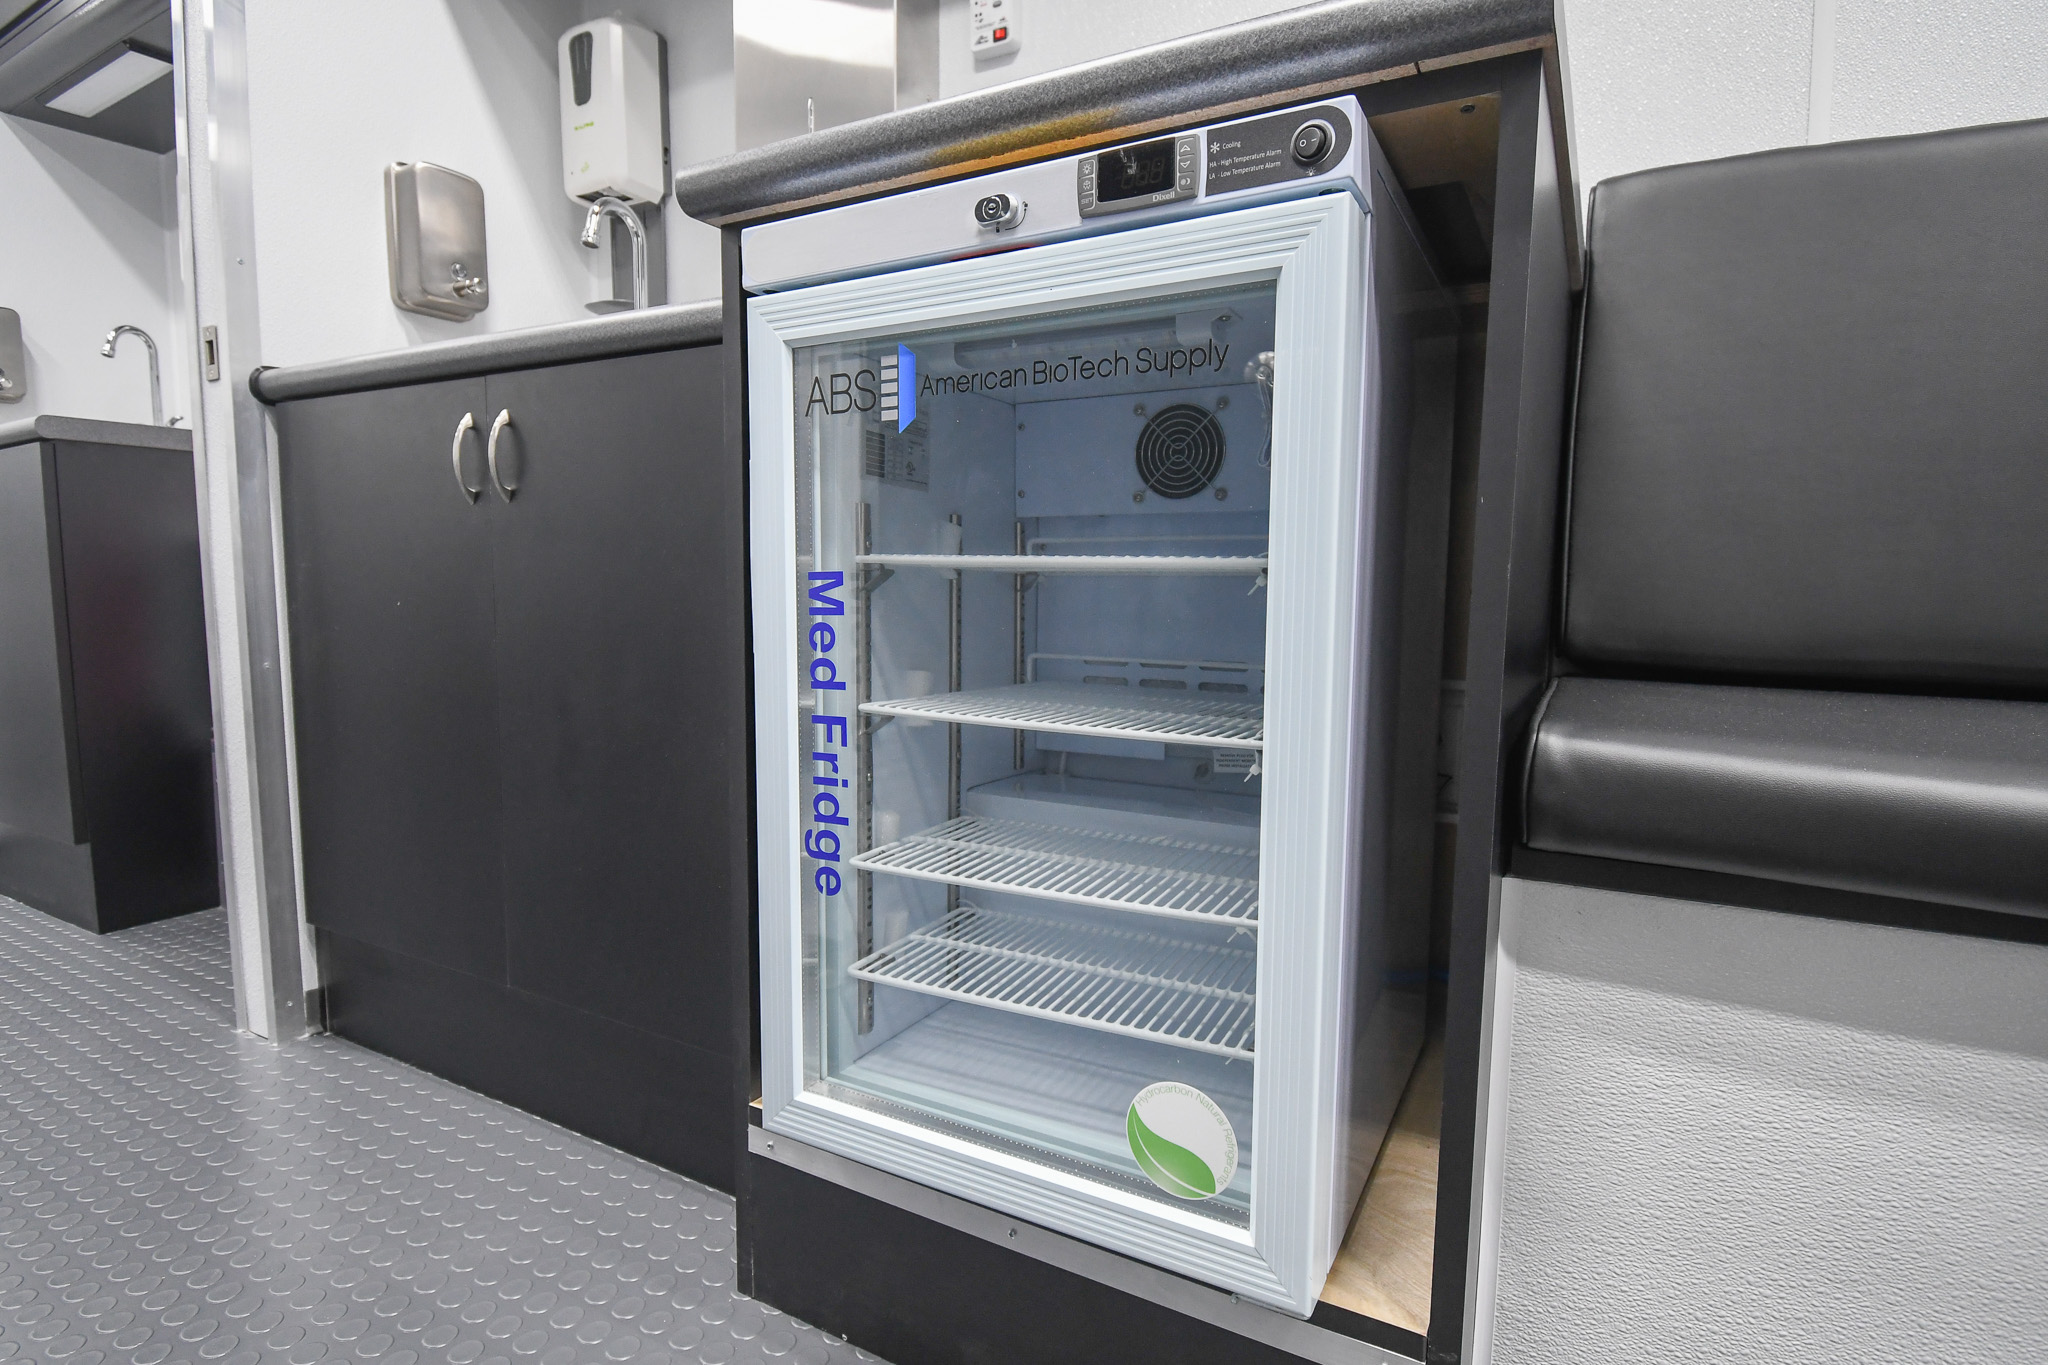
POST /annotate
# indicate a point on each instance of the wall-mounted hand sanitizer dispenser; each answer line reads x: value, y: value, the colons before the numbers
x: 612, y: 140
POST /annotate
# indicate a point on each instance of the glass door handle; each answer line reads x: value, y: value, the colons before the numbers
x: 503, y: 420
x: 462, y: 428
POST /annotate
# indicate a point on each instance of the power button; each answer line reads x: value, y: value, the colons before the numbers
x: 1312, y: 142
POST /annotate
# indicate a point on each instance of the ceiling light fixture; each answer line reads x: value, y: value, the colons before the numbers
x: 112, y: 83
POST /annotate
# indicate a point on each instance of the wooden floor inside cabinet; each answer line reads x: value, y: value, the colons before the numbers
x: 1383, y: 1269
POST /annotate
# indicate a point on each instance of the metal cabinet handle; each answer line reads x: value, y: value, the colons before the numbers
x: 504, y: 419
x: 467, y: 424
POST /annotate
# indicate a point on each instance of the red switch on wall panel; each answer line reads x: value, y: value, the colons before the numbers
x: 993, y: 26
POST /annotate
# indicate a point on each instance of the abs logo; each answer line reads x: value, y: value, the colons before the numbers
x: 899, y: 387
x: 1182, y: 1140
x: 889, y: 391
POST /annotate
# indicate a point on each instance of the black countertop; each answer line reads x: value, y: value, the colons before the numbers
x: 97, y: 433
x: 1304, y: 53
x: 629, y: 333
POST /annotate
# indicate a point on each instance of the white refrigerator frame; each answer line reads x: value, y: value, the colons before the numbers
x: 1318, y: 251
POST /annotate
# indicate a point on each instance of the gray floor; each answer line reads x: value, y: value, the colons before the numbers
x: 171, y: 1190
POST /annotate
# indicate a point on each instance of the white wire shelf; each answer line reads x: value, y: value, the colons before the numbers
x: 1036, y: 545
x: 1191, y: 995
x: 1240, y: 565
x: 1158, y: 675
x: 1150, y: 875
x: 1093, y: 709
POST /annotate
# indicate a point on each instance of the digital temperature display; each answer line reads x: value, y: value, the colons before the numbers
x: 1139, y: 177
x: 1129, y: 172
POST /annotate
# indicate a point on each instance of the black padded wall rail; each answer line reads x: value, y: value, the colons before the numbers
x: 1934, y: 798
x: 1811, y: 420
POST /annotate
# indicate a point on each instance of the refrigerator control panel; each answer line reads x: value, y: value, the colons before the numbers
x: 1298, y: 145
x: 1139, y: 176
x: 1309, y: 149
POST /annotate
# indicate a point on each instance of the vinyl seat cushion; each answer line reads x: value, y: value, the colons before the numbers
x: 1931, y: 798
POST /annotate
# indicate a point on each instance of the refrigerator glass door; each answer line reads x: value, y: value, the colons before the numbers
x: 1054, y: 594
x: 1035, y: 575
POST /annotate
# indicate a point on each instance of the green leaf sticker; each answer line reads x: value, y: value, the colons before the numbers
x: 1182, y: 1140
x: 1173, y: 1168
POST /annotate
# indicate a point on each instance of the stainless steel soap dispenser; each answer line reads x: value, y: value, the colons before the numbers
x: 434, y: 230
x: 13, y: 358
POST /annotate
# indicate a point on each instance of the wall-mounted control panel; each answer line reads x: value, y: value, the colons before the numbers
x: 993, y: 27
x: 1310, y: 149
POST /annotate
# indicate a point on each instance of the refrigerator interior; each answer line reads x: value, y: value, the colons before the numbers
x: 1053, y: 581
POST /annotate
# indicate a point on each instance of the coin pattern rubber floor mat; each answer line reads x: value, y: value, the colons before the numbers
x: 174, y: 1191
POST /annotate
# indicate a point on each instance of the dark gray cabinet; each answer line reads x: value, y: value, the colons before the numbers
x: 517, y: 719
x: 106, y: 719
x: 391, y: 592
x: 607, y: 626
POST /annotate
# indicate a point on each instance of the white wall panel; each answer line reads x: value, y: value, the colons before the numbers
x: 1735, y: 1136
x: 1059, y: 33
x: 1657, y: 82
x: 1908, y: 66
x: 337, y: 92
x: 1662, y: 81
x: 88, y: 231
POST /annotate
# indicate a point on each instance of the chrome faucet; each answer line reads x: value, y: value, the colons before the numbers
x: 156, y: 383
x: 610, y: 207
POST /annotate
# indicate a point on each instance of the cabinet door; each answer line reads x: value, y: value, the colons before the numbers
x: 388, y: 570
x: 620, y: 682
x: 39, y: 786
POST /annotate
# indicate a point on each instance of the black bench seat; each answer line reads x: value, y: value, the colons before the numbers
x: 1932, y: 798
x: 1804, y: 625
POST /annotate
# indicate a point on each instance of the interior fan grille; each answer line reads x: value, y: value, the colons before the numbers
x: 1180, y: 451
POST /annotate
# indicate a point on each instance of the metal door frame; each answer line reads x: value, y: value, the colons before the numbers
x: 240, y: 546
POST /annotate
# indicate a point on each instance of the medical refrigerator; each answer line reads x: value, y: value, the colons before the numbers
x: 1098, y: 511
